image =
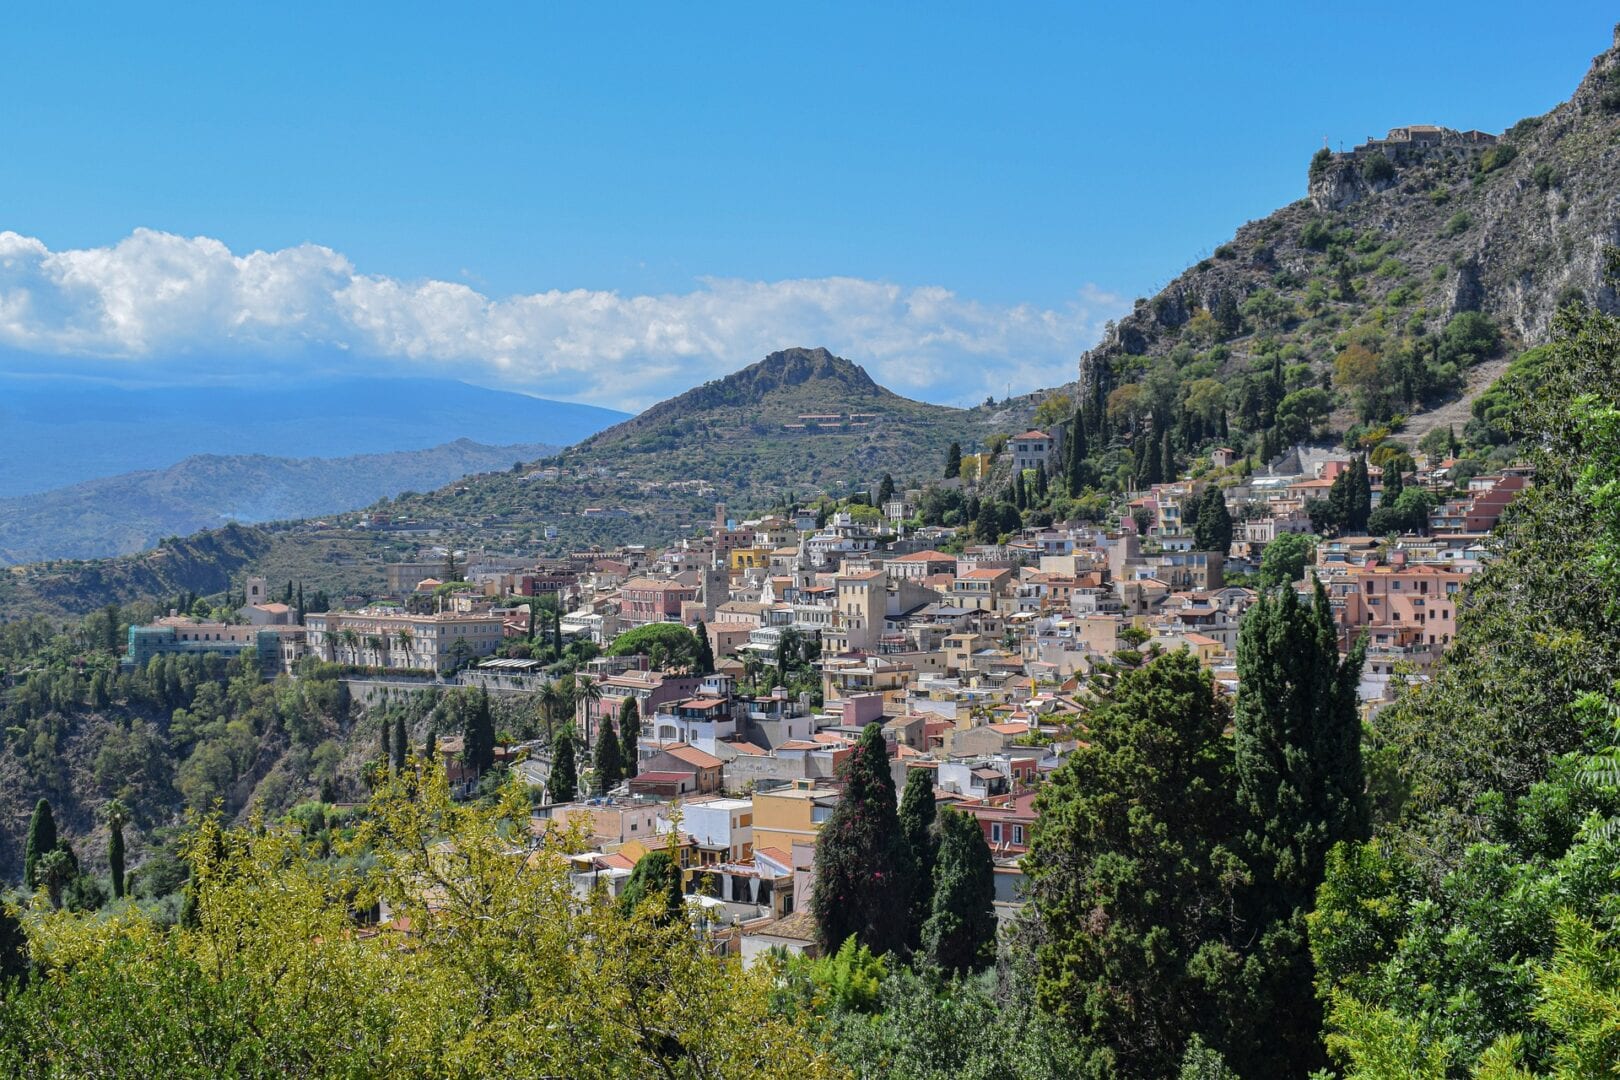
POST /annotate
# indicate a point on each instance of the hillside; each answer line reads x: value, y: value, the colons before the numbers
x: 123, y: 514
x: 800, y: 420
x: 1400, y: 285
x: 112, y: 429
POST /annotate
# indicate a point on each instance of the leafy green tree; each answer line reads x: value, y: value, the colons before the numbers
x: 916, y: 815
x: 117, y: 815
x: 629, y: 734
x: 960, y: 935
x: 677, y: 642
x: 863, y: 868
x: 13, y: 950
x: 41, y: 842
x: 953, y: 461
x: 1213, y: 530
x: 1135, y: 874
x: 1284, y: 559
x: 1297, y: 737
x: 655, y: 882
x: 564, y: 780
x: 607, y: 761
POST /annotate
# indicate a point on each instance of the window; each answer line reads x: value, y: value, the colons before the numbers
x: 1018, y: 834
x: 995, y: 832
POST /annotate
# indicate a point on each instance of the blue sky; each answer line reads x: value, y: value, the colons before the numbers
x: 950, y: 188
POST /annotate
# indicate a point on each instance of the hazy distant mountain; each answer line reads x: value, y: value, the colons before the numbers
x: 56, y: 431
x: 118, y: 515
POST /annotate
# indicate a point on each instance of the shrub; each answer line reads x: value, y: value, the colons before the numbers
x: 1497, y: 157
x: 1545, y: 176
x: 1377, y: 169
x: 1316, y: 235
x: 1226, y: 251
x: 1320, y: 161
x: 1457, y: 225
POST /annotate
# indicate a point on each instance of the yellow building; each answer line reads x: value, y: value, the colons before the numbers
x: 750, y: 558
x: 791, y: 813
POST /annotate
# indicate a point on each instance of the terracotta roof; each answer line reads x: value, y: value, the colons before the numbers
x: 925, y: 556
x: 799, y: 926
x: 657, y: 777
x: 747, y: 748
x: 1032, y: 434
x: 693, y: 756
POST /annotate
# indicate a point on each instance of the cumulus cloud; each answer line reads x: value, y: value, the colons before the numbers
x: 154, y: 300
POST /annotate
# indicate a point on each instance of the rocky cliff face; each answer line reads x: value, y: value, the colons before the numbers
x: 1511, y: 230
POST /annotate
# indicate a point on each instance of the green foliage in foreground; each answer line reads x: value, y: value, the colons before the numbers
x: 503, y: 970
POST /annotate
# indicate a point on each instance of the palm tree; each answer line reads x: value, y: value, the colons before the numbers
x: 587, y: 691
x: 405, y: 638
x: 349, y: 637
x: 552, y: 701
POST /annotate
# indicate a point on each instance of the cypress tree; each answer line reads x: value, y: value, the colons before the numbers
x: 430, y: 753
x: 704, y: 660
x: 607, y: 759
x: 1297, y: 741
x: 655, y: 878
x: 1018, y: 497
x: 953, y: 461
x: 1394, y: 483
x: 629, y: 732
x: 478, y: 746
x: 960, y: 936
x: 1340, y: 496
x: 1167, y: 458
x: 1213, y: 530
x: 1360, y: 495
x: 1074, y: 473
x: 41, y: 842
x: 885, y: 490
x: 916, y: 814
x: 402, y: 744
x: 383, y: 749
x: 1040, y: 484
x: 862, y: 888
x: 1224, y: 432
x: 564, y: 780
x: 116, y: 816
x: 556, y: 630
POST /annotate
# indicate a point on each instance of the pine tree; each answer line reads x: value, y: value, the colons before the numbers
x: 41, y: 842
x: 607, y: 760
x: 916, y: 815
x: 863, y: 884
x: 117, y: 816
x: 629, y: 733
x: 960, y: 936
x: 478, y: 735
x: 703, y: 664
x: 953, y: 461
x: 564, y: 780
x: 402, y: 744
x: 1300, y: 782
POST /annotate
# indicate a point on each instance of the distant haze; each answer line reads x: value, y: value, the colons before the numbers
x: 60, y: 431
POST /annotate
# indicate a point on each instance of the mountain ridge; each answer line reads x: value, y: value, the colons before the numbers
x: 120, y: 515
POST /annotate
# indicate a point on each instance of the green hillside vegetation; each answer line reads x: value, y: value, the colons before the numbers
x: 1359, y: 313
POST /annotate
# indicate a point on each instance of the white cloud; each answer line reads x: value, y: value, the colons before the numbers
x: 155, y: 302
